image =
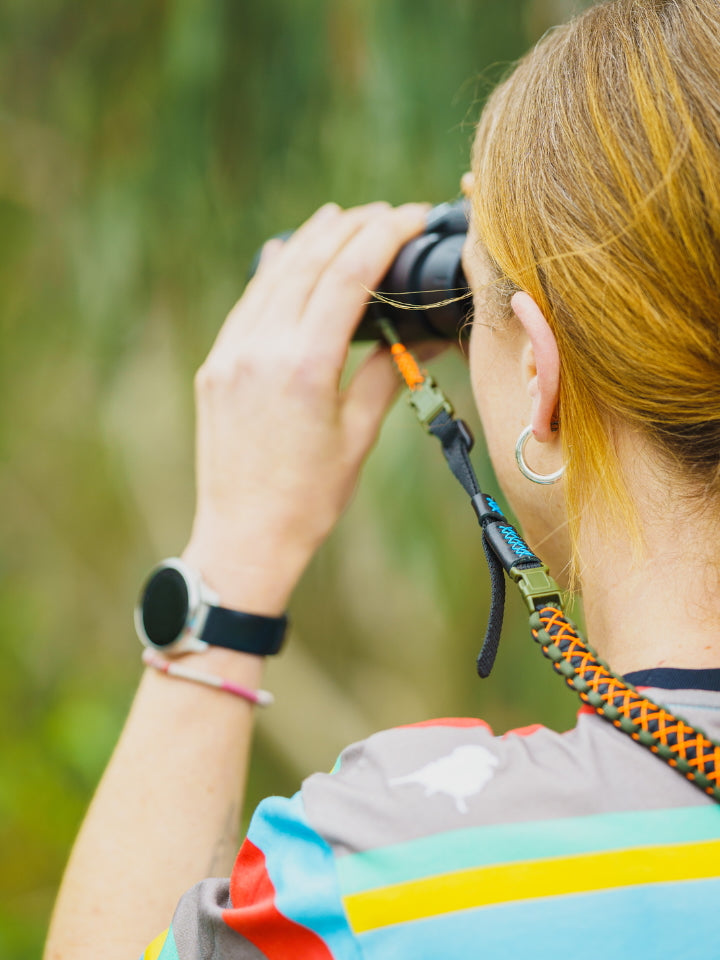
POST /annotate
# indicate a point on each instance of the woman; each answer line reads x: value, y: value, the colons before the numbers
x: 596, y: 216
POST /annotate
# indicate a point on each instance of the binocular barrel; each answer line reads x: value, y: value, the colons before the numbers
x: 426, y: 273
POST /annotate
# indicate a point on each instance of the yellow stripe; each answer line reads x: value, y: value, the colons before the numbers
x: 153, y: 950
x: 482, y: 886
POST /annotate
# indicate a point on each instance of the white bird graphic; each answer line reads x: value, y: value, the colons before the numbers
x: 461, y: 774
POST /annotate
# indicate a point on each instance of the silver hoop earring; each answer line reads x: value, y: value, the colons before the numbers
x: 525, y: 469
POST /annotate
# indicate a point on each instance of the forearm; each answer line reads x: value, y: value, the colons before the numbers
x: 164, y: 816
x: 279, y: 450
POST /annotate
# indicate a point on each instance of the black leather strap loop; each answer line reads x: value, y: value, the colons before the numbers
x: 508, y: 546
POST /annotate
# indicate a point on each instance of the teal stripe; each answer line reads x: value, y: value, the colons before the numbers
x: 301, y: 867
x: 169, y: 950
x: 513, y: 842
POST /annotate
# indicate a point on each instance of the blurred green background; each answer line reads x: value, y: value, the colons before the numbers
x: 146, y: 150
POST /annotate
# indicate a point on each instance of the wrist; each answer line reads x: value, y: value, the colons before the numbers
x: 234, y: 665
x: 262, y: 585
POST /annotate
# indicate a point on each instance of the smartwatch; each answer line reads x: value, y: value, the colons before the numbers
x: 177, y: 613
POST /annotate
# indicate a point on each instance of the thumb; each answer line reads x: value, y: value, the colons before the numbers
x: 368, y: 399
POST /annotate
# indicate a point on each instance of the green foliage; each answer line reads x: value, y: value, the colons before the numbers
x: 148, y: 148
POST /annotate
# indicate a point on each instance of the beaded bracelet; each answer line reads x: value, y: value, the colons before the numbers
x: 261, y: 698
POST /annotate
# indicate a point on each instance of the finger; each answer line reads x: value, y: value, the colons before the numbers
x: 265, y: 281
x: 341, y: 295
x: 270, y: 250
x: 255, y: 308
x: 277, y: 299
x: 368, y: 398
x: 310, y: 253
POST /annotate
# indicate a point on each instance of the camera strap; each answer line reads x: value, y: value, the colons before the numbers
x: 682, y: 746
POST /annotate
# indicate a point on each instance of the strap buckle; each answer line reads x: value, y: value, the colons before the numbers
x: 428, y: 400
x: 535, y: 585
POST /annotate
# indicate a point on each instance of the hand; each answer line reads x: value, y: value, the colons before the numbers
x: 279, y: 444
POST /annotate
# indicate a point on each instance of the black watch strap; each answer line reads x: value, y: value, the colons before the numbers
x: 246, y: 632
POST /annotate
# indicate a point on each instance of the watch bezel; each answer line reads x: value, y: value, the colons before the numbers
x: 199, y: 599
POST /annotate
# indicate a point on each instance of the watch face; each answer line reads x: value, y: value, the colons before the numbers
x: 165, y: 606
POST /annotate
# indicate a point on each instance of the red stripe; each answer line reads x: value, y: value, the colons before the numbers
x: 524, y: 731
x: 447, y: 722
x: 255, y: 916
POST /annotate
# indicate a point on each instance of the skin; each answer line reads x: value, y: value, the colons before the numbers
x: 270, y: 487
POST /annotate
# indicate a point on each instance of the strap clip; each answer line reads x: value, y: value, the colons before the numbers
x: 536, y: 585
x: 428, y: 401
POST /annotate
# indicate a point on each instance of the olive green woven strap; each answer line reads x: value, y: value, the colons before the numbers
x: 678, y: 743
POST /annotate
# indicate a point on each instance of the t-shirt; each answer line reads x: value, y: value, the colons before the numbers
x: 441, y: 841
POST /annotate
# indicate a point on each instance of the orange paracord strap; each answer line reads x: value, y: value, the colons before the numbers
x: 681, y: 745
x: 407, y: 365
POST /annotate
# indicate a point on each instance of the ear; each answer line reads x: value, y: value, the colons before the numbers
x: 542, y: 361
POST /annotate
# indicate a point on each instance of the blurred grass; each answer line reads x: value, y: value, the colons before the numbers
x: 147, y: 150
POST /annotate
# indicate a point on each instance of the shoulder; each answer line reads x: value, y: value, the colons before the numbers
x: 450, y: 773
x: 455, y: 774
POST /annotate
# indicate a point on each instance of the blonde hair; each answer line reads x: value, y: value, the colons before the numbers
x: 597, y: 190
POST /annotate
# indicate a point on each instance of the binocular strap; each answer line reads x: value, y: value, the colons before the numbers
x: 684, y: 747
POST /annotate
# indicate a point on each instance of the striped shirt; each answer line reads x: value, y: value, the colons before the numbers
x: 441, y: 841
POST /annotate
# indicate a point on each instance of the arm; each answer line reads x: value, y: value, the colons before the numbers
x: 279, y: 449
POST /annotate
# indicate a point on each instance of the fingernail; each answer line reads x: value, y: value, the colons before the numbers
x: 326, y: 211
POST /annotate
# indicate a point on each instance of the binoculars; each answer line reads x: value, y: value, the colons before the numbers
x: 425, y: 275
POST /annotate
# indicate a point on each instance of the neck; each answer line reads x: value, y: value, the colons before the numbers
x: 660, y: 608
